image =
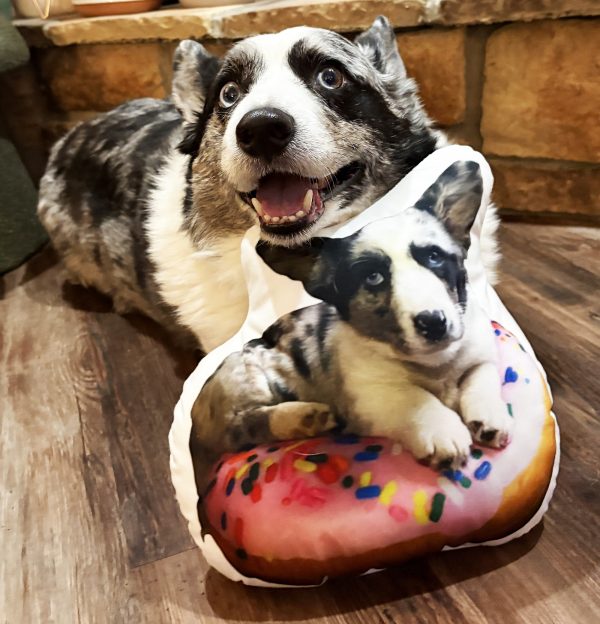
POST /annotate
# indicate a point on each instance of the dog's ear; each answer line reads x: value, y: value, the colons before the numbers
x: 297, y: 263
x: 454, y: 198
x: 312, y: 263
x: 379, y: 44
x: 194, y: 70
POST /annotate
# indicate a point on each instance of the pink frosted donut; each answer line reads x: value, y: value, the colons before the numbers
x: 301, y: 511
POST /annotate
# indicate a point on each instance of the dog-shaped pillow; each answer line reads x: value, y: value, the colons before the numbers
x: 381, y: 329
x: 397, y: 331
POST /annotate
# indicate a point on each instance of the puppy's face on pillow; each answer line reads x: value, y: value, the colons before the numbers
x: 400, y: 280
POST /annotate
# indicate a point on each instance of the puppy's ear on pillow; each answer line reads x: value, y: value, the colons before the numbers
x: 454, y: 198
x: 194, y: 70
x: 297, y: 263
x: 379, y: 44
x: 313, y: 264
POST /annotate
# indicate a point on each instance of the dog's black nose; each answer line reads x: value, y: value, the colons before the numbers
x: 265, y: 132
x: 431, y: 325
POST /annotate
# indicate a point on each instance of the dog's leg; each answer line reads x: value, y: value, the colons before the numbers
x: 482, y: 408
x: 432, y: 432
x: 283, y: 421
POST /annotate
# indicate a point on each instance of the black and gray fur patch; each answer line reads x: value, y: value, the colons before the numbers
x: 363, y: 101
x: 454, y: 199
x: 241, y: 68
x: 446, y: 266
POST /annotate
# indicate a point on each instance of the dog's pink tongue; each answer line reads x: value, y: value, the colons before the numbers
x: 282, y: 194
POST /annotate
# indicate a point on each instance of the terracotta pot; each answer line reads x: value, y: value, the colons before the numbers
x: 93, y: 8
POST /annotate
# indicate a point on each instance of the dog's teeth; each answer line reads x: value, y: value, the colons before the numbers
x: 257, y: 206
x: 307, y: 203
x: 266, y: 217
x: 292, y: 218
x: 275, y: 219
x: 300, y: 214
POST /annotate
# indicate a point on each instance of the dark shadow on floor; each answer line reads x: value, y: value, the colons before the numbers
x: 351, y: 594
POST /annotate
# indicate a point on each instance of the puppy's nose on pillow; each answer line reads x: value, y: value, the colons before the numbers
x: 431, y: 324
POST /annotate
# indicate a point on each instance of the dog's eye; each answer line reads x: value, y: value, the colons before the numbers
x: 229, y: 95
x: 374, y: 279
x: 435, y: 258
x: 330, y: 78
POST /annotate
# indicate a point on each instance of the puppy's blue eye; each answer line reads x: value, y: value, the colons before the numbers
x: 374, y: 279
x: 330, y: 78
x: 435, y: 258
x: 229, y: 95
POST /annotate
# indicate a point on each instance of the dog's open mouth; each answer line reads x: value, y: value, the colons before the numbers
x: 287, y: 203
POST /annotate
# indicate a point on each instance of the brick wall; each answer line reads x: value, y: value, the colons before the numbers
x: 525, y: 93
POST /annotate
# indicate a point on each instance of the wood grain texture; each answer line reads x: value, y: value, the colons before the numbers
x: 90, y: 531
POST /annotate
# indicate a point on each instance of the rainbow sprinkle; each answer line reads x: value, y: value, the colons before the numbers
x: 451, y: 491
x: 437, y: 507
x: 483, y: 470
x: 370, y: 491
x: 366, y: 456
x: 398, y: 513
x: 317, y: 458
x: 348, y: 481
x: 254, y: 471
x: 349, y: 438
x: 365, y: 479
x: 389, y: 489
x: 419, y: 511
x: 242, y: 471
x: 304, y: 466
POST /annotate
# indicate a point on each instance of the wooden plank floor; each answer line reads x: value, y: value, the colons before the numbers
x: 89, y: 529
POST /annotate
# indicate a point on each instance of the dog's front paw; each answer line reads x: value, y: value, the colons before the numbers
x: 492, y: 427
x: 445, y: 444
x: 317, y: 420
x: 299, y: 419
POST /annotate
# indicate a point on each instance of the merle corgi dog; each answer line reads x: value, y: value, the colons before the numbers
x: 397, y: 347
x: 298, y: 131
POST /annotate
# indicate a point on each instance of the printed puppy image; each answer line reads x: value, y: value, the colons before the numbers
x: 297, y: 131
x: 398, y: 348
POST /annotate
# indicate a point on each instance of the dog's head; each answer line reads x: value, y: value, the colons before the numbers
x: 303, y: 128
x: 399, y: 280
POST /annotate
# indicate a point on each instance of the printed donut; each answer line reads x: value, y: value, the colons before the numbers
x: 301, y: 511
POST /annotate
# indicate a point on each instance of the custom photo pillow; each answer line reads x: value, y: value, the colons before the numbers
x: 379, y: 402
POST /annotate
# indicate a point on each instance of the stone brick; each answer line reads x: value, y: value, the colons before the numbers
x: 542, y: 187
x: 340, y: 15
x: 541, y: 96
x: 489, y: 11
x: 464, y: 134
x: 242, y: 20
x: 436, y: 59
x: 99, y: 77
x: 168, y: 24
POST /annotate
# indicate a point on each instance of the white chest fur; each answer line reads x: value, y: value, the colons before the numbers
x: 205, y: 286
x: 380, y: 389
